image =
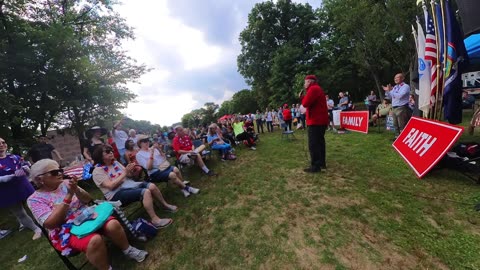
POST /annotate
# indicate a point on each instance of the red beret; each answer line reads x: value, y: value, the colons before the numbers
x: 311, y: 77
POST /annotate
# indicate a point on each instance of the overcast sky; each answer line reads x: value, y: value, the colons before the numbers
x: 192, y: 47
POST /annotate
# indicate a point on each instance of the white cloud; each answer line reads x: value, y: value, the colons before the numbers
x: 192, y: 64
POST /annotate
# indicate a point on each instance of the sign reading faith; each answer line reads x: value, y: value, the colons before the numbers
x: 424, y: 142
x: 355, y: 121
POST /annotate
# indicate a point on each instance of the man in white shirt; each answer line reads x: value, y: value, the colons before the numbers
x: 120, y: 137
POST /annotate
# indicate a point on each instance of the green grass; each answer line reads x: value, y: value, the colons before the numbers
x: 367, y: 211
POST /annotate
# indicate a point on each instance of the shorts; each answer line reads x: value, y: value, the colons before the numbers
x: 161, y: 176
x: 81, y: 244
x: 130, y: 195
x: 185, y: 159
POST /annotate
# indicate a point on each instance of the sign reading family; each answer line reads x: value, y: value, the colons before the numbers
x: 424, y: 142
x: 355, y: 121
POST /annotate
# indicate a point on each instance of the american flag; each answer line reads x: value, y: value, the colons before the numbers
x: 431, y: 54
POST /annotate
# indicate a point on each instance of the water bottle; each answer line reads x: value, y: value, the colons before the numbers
x: 86, y: 214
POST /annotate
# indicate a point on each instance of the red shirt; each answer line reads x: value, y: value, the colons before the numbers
x: 316, y: 104
x: 287, y: 115
x: 182, y: 143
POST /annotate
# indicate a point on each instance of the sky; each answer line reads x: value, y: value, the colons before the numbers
x: 191, y: 47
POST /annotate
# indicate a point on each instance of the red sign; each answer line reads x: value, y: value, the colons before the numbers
x: 354, y: 121
x: 424, y: 142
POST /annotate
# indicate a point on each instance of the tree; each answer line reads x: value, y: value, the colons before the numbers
x: 276, y: 44
x: 244, y: 102
x: 209, y: 113
x: 62, y: 65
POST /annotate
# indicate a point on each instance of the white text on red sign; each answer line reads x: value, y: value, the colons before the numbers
x: 352, y: 121
x: 419, y: 141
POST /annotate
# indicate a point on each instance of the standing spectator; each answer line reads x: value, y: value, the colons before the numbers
x: 317, y: 120
x: 281, y: 121
x: 43, y: 150
x: 372, y: 102
x: 287, y: 117
x: 343, y: 102
x: 269, y: 120
x: 330, y: 106
x: 94, y: 139
x: 259, y: 121
x: 111, y: 142
x: 120, y: 137
x: 15, y: 188
x: 302, y: 110
x: 400, y: 94
x: 132, y: 135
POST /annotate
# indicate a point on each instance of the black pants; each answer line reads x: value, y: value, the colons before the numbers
x: 246, y: 136
x: 316, y: 145
x: 269, y: 126
x: 288, y: 124
x: 259, y: 125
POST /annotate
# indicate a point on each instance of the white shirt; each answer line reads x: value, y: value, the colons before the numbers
x: 120, y: 138
x: 143, y: 157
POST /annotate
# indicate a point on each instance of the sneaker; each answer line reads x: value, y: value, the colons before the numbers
x: 186, y: 183
x: 21, y: 228
x: 211, y: 173
x: 37, y: 235
x: 193, y: 190
x: 137, y: 254
x: 4, y: 233
x: 334, y: 130
x: 185, y: 193
x: 253, y: 148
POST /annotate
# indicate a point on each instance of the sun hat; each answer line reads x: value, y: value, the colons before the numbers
x: 92, y: 130
x: 142, y: 137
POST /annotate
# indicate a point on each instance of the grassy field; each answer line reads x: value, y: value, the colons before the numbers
x: 367, y: 211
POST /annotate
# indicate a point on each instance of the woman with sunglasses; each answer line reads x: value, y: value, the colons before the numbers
x: 115, y: 182
x: 57, y: 202
x: 15, y: 188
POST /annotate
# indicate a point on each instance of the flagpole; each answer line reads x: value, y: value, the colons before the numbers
x: 445, y: 53
x: 432, y: 5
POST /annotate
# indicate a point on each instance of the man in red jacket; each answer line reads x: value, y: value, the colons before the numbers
x: 317, y: 122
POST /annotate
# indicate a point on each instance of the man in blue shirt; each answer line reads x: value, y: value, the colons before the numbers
x: 399, y: 94
x: 343, y: 102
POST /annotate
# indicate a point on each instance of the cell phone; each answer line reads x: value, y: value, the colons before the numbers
x: 66, y: 176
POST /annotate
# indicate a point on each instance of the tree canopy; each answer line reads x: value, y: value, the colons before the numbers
x: 61, y: 65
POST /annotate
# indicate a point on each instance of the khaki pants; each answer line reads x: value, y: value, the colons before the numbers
x: 401, y: 115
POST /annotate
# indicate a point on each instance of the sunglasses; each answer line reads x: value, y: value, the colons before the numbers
x: 53, y: 172
x: 144, y: 140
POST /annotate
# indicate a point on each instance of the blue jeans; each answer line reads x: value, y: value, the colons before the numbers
x: 122, y: 155
x: 130, y: 195
x: 224, y: 148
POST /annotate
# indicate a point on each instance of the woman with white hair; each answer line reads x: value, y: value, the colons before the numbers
x: 58, y: 202
x: 15, y: 188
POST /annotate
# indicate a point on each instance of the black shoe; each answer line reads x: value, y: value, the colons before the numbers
x: 211, y: 173
x: 312, y: 170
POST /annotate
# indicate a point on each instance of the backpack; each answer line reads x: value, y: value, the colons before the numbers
x: 467, y: 149
x: 144, y: 227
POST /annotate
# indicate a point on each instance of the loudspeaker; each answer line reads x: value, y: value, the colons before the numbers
x: 470, y: 16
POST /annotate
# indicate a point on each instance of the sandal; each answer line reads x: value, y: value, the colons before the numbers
x: 171, y: 209
x: 164, y: 222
